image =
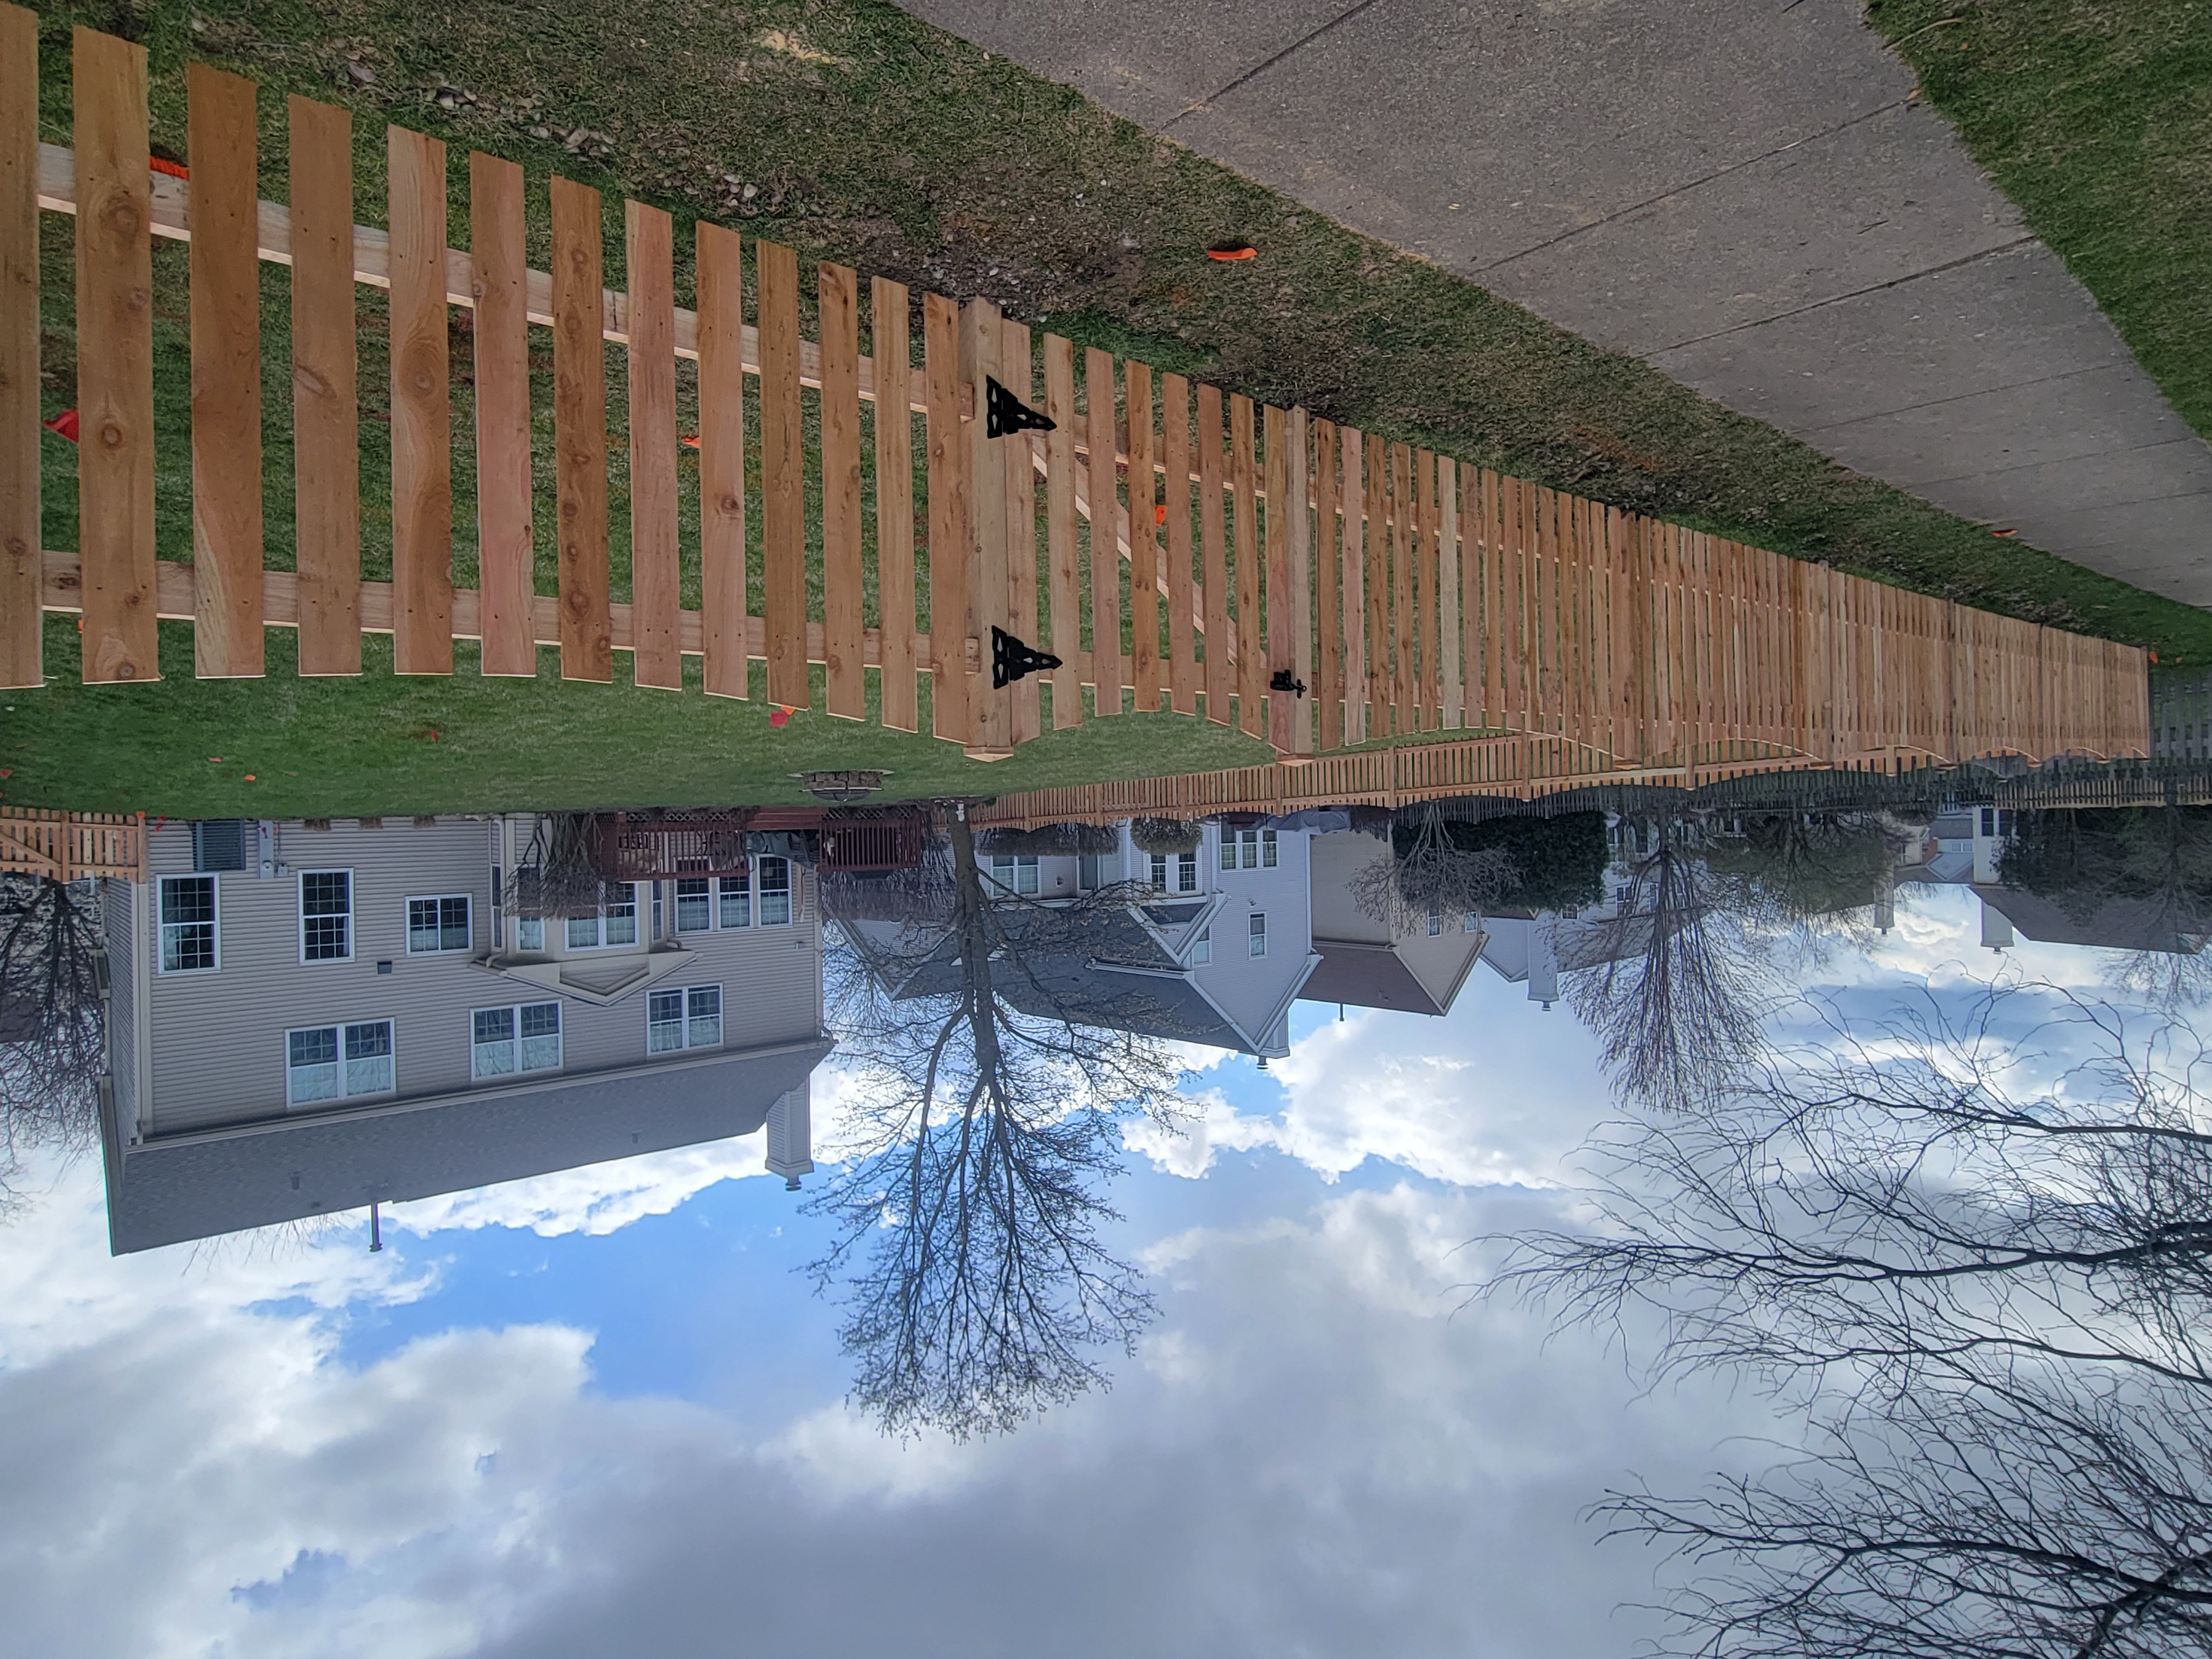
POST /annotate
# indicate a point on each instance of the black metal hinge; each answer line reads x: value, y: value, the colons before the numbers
x: 1012, y: 661
x: 1005, y: 414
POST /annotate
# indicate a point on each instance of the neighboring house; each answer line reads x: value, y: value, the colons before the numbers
x: 1965, y: 847
x: 2120, y: 924
x: 1530, y: 947
x: 305, y: 1019
x: 1364, y: 963
x: 1964, y: 844
x: 1214, y: 950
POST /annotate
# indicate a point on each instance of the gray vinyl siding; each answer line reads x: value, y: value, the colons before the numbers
x: 218, y: 1037
x: 771, y: 993
x: 116, y: 920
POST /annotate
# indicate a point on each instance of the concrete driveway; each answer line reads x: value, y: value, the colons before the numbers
x: 1744, y: 193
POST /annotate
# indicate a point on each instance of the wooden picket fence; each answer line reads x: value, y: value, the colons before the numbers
x: 67, y: 846
x: 1321, y: 587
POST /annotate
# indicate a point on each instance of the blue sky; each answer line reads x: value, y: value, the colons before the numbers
x: 600, y: 1411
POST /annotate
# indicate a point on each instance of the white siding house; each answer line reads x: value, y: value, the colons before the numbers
x: 352, y: 1017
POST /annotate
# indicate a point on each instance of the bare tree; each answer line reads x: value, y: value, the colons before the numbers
x: 989, y: 1069
x: 1974, y: 1252
x: 1674, y: 983
x: 2035, y: 1519
x: 1915, y: 1195
x: 53, y: 1039
x: 1430, y: 871
x: 558, y: 874
x: 1805, y: 867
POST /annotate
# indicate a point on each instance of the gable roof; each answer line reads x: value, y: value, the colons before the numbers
x: 197, y: 1185
x: 1365, y: 976
x: 1103, y: 966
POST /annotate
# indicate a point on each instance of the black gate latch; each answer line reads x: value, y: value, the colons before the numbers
x: 1012, y: 661
x: 1283, y: 682
x: 1004, y: 414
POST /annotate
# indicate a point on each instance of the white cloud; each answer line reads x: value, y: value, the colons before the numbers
x: 1317, y: 1452
x: 1496, y: 1092
x: 181, y: 1433
x: 598, y: 1198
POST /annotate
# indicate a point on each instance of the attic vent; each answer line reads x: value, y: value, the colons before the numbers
x: 218, y: 845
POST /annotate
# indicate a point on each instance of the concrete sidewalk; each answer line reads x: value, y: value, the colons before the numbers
x: 1742, y: 193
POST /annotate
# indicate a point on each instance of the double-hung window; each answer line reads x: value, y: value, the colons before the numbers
x: 1096, y: 870
x: 616, y: 923
x: 682, y: 1017
x: 530, y: 933
x: 188, y: 924
x: 326, y: 915
x: 505, y: 1040
x: 695, y: 905
x: 772, y: 876
x: 1249, y: 849
x: 1201, y: 948
x: 437, y: 924
x: 1257, y: 942
x: 1174, y: 873
x: 1436, y: 923
x: 337, y: 1062
x: 733, y: 901
x: 1015, y: 874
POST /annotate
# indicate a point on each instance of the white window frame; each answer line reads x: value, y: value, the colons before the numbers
x: 352, y: 920
x: 1256, y: 933
x: 734, y: 887
x: 538, y: 922
x: 1202, y: 948
x: 469, y: 923
x: 762, y: 895
x: 599, y: 927
x: 686, y: 992
x: 161, y: 927
x: 1259, y: 849
x: 1020, y: 864
x: 516, y: 1040
x: 1174, y: 873
x: 344, y: 1028
x: 711, y: 899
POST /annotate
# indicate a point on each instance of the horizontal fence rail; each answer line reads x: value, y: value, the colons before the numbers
x: 1313, y: 584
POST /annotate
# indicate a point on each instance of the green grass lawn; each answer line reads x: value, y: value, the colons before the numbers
x: 854, y: 132
x: 385, y: 745
x: 2095, y: 116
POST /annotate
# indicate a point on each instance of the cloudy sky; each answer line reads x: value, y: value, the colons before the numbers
x: 599, y: 1413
